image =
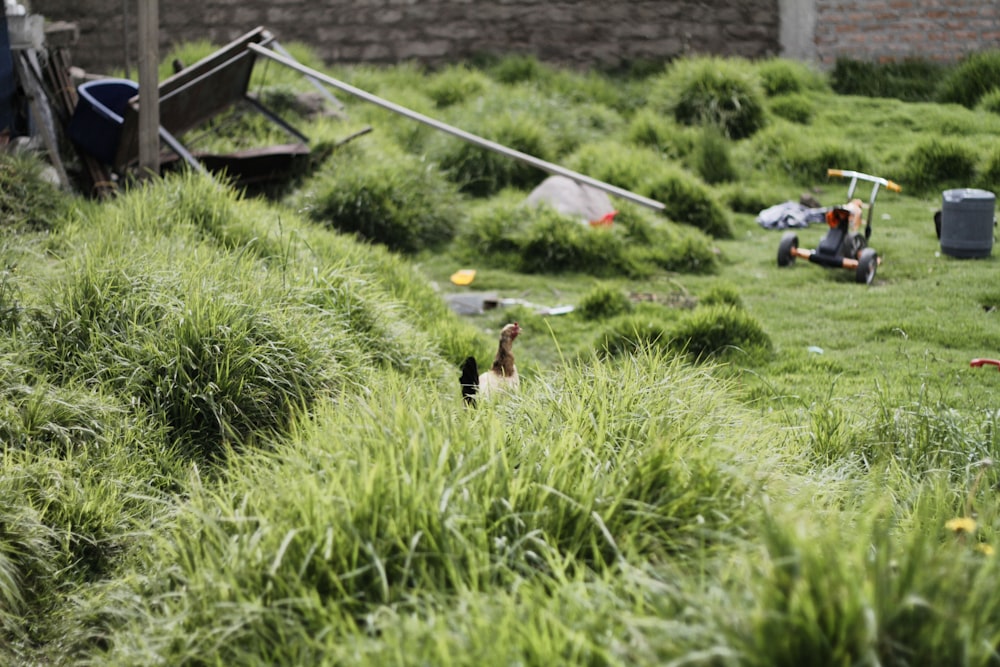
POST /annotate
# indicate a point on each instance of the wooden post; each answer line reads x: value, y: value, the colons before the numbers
x: 149, y: 88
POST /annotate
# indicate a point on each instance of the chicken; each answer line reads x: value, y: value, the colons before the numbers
x: 502, y: 375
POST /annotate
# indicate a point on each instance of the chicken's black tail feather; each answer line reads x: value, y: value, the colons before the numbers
x: 469, y: 380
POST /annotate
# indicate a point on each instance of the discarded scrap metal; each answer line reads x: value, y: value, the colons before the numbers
x: 538, y: 163
x: 203, y: 90
x: 477, y: 303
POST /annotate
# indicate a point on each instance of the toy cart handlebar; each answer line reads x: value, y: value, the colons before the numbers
x: 847, y: 173
x: 977, y: 363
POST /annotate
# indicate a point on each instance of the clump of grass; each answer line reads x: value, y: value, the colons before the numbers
x: 603, y: 301
x: 804, y: 159
x: 649, y: 129
x: 10, y: 307
x: 480, y: 172
x: 712, y: 159
x: 722, y: 294
x: 355, y: 518
x: 28, y: 561
x: 509, y: 235
x: 558, y: 243
x: 401, y: 202
x: 968, y: 81
x: 643, y: 171
x: 634, y: 334
x: 720, y: 332
x: 38, y: 417
x: 990, y: 101
x: 780, y: 76
x: 28, y: 202
x: 668, y: 246
x: 542, y: 240
x: 910, y: 80
x: 936, y: 163
x: 751, y: 199
x: 688, y: 201
x: 989, y: 176
x: 214, y: 368
x: 612, y: 162
x: 794, y: 108
x: 515, y: 68
x: 724, y: 92
x: 454, y: 85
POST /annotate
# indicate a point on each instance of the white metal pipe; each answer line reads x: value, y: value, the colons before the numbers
x: 544, y: 165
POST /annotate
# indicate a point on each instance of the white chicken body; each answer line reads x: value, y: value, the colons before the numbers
x: 491, y: 383
x: 500, y: 378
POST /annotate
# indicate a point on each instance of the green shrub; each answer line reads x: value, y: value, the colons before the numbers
x: 512, y: 69
x: 28, y: 202
x: 972, y: 78
x: 494, y: 233
x: 989, y: 178
x: 649, y: 129
x: 911, y: 80
x: 481, y: 172
x: 603, y: 302
x: 937, y: 163
x: 508, y: 235
x: 751, y: 199
x: 618, y: 164
x: 805, y: 159
x: 688, y: 201
x: 555, y: 243
x: 711, y: 158
x: 719, y: 331
x: 724, y: 92
x: 635, y: 334
x: 454, y: 85
x: 666, y: 245
x: 779, y: 76
x: 10, y: 308
x: 539, y: 239
x: 810, y: 163
x: 28, y: 562
x: 990, y: 101
x: 794, y: 108
x: 722, y: 294
x: 394, y: 199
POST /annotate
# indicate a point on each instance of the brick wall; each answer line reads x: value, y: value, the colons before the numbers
x: 571, y: 32
x: 887, y: 30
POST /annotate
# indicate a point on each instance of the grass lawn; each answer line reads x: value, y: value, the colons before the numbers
x: 233, y: 433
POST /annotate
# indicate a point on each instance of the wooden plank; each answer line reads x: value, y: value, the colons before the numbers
x: 149, y: 94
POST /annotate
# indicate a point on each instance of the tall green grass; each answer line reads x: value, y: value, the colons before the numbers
x: 234, y: 435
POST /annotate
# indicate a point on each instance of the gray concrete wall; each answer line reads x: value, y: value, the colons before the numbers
x: 580, y: 33
x: 797, y: 28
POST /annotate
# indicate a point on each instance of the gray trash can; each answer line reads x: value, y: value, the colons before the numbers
x: 967, y: 222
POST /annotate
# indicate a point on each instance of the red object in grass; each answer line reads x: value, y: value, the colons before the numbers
x: 976, y: 363
x: 606, y: 220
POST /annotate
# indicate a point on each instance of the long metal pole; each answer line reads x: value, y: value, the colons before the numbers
x: 544, y: 165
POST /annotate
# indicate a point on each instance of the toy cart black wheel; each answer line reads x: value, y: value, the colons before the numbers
x: 855, y: 245
x: 786, y: 249
x: 867, y: 265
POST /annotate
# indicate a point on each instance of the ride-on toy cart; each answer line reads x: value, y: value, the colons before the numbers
x: 844, y: 246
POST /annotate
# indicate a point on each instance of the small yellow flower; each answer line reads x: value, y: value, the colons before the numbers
x: 984, y: 549
x: 960, y: 525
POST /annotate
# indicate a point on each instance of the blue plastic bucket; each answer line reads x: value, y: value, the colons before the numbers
x: 96, y: 125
